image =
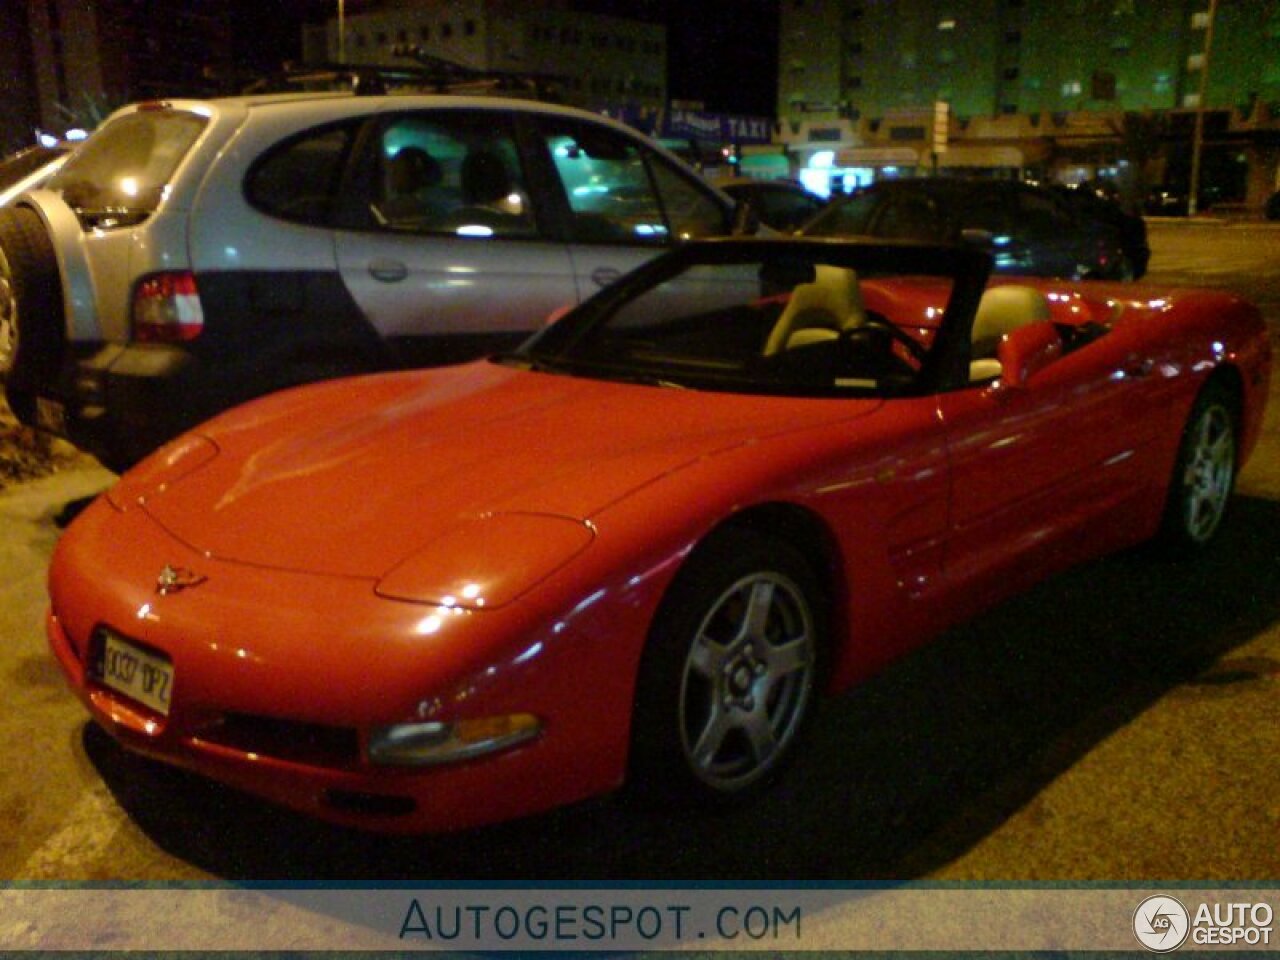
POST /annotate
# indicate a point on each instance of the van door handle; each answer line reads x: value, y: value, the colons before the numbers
x: 388, y: 271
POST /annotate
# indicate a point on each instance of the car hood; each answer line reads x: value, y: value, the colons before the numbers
x: 350, y: 477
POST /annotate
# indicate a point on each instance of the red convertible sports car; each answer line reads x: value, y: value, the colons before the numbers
x: 638, y: 548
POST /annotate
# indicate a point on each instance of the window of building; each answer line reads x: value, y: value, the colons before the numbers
x: 424, y: 34
x: 381, y: 38
x: 469, y: 28
x: 948, y: 23
x: 446, y: 31
x: 1013, y: 36
x: 1011, y: 73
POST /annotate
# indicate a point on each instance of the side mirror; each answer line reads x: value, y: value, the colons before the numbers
x: 1028, y: 350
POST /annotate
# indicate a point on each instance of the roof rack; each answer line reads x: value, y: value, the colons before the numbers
x: 448, y: 75
x: 431, y: 73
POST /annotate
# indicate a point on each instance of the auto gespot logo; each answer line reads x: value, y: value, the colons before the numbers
x: 1162, y: 924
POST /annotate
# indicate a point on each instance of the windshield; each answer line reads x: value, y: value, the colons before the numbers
x: 813, y: 319
x: 119, y: 175
x: 846, y: 217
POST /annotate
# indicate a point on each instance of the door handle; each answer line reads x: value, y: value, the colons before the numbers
x: 388, y: 271
x: 603, y: 276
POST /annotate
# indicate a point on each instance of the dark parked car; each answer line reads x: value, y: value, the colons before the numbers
x: 780, y: 204
x: 1029, y: 230
x: 1091, y: 204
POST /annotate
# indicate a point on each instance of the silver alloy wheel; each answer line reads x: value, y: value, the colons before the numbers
x: 747, y: 681
x: 8, y: 319
x: 1209, y: 472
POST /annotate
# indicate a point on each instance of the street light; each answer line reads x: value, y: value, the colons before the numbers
x: 1197, y: 137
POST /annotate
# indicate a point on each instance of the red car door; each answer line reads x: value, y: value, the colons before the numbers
x: 1047, y: 473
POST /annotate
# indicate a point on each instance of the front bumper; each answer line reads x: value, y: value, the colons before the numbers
x: 278, y: 679
x: 329, y: 785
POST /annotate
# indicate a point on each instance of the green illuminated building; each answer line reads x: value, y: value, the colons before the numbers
x: 1053, y: 79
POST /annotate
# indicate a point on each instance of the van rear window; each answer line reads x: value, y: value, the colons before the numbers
x: 118, y: 176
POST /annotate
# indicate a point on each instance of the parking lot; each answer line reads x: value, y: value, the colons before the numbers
x: 1117, y: 723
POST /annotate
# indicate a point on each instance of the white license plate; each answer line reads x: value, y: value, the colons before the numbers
x: 51, y: 416
x: 136, y: 673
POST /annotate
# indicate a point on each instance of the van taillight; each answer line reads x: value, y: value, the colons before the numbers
x: 166, y: 308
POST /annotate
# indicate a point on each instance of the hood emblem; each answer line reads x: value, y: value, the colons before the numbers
x: 174, y: 579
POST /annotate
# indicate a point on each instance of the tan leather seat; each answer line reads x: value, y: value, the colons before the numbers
x: 1001, y: 311
x: 818, y: 311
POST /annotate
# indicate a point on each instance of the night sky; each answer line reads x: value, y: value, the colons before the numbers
x: 721, y: 52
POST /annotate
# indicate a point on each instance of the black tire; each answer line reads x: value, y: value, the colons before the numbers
x: 730, y: 671
x: 30, y: 305
x: 1204, y: 473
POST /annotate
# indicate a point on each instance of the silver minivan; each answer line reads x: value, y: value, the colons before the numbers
x: 193, y: 254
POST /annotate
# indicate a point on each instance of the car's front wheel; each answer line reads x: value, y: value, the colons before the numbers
x: 1205, y: 471
x: 729, y: 675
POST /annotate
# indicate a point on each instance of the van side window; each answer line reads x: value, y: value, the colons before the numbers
x: 448, y: 172
x: 298, y: 180
x: 606, y: 184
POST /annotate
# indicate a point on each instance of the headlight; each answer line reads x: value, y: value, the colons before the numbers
x: 166, y: 466
x: 428, y: 744
x: 487, y: 561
